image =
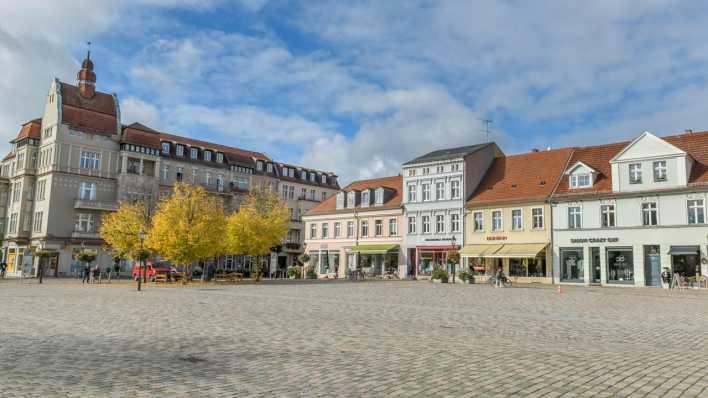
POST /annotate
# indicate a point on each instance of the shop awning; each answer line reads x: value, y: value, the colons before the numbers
x: 684, y: 250
x: 479, y: 250
x: 374, y: 249
x: 520, y: 250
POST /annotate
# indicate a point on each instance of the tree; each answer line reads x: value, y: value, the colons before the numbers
x: 121, y: 229
x: 188, y: 226
x: 260, y: 224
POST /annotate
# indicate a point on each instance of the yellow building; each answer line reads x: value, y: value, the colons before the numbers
x: 508, y: 217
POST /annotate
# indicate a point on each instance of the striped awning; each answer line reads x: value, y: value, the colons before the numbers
x: 479, y: 250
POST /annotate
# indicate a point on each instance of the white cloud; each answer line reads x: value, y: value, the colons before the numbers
x: 135, y: 110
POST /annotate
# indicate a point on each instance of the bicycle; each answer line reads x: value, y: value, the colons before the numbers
x: 506, y: 282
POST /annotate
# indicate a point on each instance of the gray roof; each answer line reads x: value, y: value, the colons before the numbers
x: 449, y: 153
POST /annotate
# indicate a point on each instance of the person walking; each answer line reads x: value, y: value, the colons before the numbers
x: 97, y: 274
x: 666, y: 278
x: 3, y: 269
x: 108, y: 274
x: 86, y: 278
x: 500, y: 276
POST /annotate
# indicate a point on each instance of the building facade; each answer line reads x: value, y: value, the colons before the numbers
x: 435, y: 189
x: 623, y: 212
x: 77, y: 162
x: 358, y: 230
x: 507, y: 223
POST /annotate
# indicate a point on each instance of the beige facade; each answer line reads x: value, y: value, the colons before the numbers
x: 515, y: 237
x: 349, y: 241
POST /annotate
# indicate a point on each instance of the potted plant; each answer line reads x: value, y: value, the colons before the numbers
x: 303, y: 259
x: 294, y: 272
x: 464, y: 276
x: 439, y: 275
x: 311, y: 274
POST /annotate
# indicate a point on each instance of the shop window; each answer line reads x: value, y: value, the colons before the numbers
x: 537, y: 266
x: 620, y: 265
x: 572, y: 265
x: 517, y: 267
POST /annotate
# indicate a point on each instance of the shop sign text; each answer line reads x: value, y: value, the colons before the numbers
x: 594, y: 240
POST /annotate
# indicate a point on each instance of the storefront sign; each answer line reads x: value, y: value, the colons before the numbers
x: 498, y: 237
x: 594, y: 240
x: 437, y: 239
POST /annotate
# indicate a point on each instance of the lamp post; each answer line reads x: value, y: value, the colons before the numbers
x: 141, y: 236
x: 454, y: 241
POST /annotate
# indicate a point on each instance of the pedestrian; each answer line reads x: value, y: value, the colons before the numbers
x: 86, y: 278
x: 666, y: 278
x: 97, y: 274
x: 3, y: 269
x: 500, y: 276
x: 108, y: 274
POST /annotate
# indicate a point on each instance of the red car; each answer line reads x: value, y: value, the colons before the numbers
x: 152, y: 269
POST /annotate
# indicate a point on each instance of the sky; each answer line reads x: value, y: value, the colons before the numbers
x: 358, y: 87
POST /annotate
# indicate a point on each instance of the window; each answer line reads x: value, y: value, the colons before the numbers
x: 179, y: 176
x: 620, y: 265
x: 303, y: 193
x: 517, y: 222
x: 84, y: 222
x: 440, y: 169
x: 87, y: 191
x: 440, y: 191
x: 411, y: 172
x: 411, y: 225
x: 312, y: 194
x: 580, y: 180
x: 426, y: 224
x: 90, y: 160
x: 324, y: 196
x: 649, y: 214
x: 165, y: 148
x: 454, y: 222
x: 12, y: 227
x: 426, y: 192
x: 313, y: 231
x: 259, y: 165
x: 220, y: 182
x: 696, y: 212
x: 313, y: 177
x: 365, y: 199
x: 455, y: 189
x: 193, y: 152
x: 478, y: 217
x: 219, y: 157
x: 378, y: 227
x: 411, y: 193
x: 41, y: 189
x: 426, y: 170
x: 350, y: 229
x: 572, y: 267
x: 337, y: 229
x: 379, y: 196
x: 575, y: 217
x: 285, y: 191
x: 607, y: 213
x: 269, y: 167
x: 38, y: 218
x: 207, y: 178
x: 323, y: 180
x: 660, y: 171
x: 440, y: 223
x: 635, y: 173
x: 207, y: 156
x: 165, y: 172
x: 496, y: 220
x: 392, y: 227
x: 179, y: 150
x: 537, y: 217
x: 364, y: 229
x: 17, y: 193
x: 194, y: 175
x: 455, y: 167
x: 325, y: 230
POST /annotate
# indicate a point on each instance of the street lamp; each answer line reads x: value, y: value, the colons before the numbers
x: 141, y: 274
x: 454, y: 241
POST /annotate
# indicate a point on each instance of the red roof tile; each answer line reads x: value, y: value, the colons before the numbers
x: 394, y: 183
x: 133, y: 134
x: 100, y: 102
x: 83, y: 119
x: 31, y: 129
x: 521, y: 178
x: 214, y: 147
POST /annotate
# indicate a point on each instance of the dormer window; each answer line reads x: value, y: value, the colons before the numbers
x: 179, y: 150
x: 324, y: 179
x: 193, y: 153
x: 303, y: 175
x: 365, y: 198
x: 635, y: 173
x: 379, y: 196
x: 219, y: 157
x: 165, y: 148
x: 660, y: 171
x: 340, y: 200
x: 580, y: 180
x: 313, y: 177
x: 351, y: 199
x: 207, y: 156
x: 269, y: 167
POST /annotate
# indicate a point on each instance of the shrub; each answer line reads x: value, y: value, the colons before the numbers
x: 439, y: 274
x: 294, y: 272
x: 311, y: 274
x: 464, y: 276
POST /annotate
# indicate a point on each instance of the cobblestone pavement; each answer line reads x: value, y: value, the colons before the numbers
x: 350, y: 339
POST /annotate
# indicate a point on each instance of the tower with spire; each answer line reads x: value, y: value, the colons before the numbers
x: 86, y: 78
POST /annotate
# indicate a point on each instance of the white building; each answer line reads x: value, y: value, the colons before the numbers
x: 624, y: 211
x: 436, y: 187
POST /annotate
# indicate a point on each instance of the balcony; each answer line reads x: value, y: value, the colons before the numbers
x: 95, y: 205
x: 85, y: 235
x: 292, y: 246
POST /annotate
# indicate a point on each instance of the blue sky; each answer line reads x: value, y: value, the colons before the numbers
x: 358, y: 87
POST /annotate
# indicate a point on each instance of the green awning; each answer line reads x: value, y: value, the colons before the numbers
x: 375, y: 249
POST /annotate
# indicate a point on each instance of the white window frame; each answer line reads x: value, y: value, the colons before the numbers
x: 392, y: 227
x: 411, y: 225
x: 378, y: 227
x: 411, y: 193
x: 179, y: 150
x: 454, y: 222
x: 577, y: 182
x: 337, y: 229
x: 350, y: 229
x: 653, y: 221
x: 500, y: 227
x: 520, y: 226
x: 364, y: 229
x: 193, y: 153
x: 38, y: 219
x: 325, y: 230
x: 219, y: 157
x: 440, y: 190
x: 635, y: 173
x: 439, y: 223
x: 607, y: 210
x: 426, y: 192
x: 84, y: 222
x: 90, y: 160
x: 695, y: 208
x: 425, y: 224
x: 165, y: 148
x: 455, y: 189
x: 571, y: 217
x: 87, y: 187
x: 313, y: 231
x: 660, y: 171
x: 538, y: 221
x: 478, y: 227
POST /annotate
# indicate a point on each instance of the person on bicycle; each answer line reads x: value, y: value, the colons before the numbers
x: 500, y: 277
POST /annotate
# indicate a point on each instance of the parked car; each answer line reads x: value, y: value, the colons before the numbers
x: 152, y: 269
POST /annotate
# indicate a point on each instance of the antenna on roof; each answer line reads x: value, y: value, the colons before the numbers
x: 487, y: 123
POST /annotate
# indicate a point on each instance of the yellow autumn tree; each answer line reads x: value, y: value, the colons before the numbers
x: 188, y: 226
x: 121, y: 229
x: 260, y: 224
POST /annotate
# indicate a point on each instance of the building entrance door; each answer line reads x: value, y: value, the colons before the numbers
x: 595, y: 264
x: 652, y: 266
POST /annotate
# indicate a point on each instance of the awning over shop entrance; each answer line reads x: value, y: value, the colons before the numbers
x: 683, y: 250
x: 479, y: 250
x: 519, y: 250
x: 375, y: 249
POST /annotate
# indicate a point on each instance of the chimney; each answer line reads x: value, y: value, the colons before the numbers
x: 534, y: 150
x: 688, y: 131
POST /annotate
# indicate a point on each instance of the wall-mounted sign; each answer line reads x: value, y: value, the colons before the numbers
x: 437, y: 239
x: 594, y: 240
x: 497, y: 237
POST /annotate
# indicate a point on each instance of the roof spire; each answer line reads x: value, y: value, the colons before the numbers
x: 88, y: 51
x: 86, y: 78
